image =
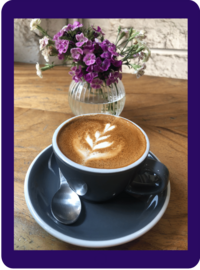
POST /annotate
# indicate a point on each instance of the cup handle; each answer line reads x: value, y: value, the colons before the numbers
x: 152, y: 178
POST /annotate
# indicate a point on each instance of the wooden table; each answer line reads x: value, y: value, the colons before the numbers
x: 158, y: 105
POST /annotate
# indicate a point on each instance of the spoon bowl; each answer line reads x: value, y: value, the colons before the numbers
x: 66, y: 204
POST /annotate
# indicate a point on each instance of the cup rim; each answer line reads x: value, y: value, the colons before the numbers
x: 97, y: 170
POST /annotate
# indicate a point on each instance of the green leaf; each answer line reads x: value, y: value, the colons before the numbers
x: 140, y: 49
x: 134, y: 35
x: 65, y: 38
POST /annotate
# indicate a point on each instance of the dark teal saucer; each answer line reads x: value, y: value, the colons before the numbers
x: 120, y: 220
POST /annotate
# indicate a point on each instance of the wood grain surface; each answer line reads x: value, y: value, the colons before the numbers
x: 158, y: 105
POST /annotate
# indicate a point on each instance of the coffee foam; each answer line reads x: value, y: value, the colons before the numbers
x: 101, y: 141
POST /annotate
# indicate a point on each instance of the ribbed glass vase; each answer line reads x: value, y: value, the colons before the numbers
x: 108, y: 99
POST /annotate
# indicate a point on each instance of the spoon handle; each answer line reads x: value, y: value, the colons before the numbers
x: 62, y: 178
x: 50, y: 164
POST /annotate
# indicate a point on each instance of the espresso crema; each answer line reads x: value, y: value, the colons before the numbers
x: 101, y: 141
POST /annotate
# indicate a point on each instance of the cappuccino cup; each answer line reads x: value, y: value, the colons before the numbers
x: 102, y: 155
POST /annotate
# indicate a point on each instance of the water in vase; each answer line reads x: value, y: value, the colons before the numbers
x: 114, y: 108
x: 108, y: 100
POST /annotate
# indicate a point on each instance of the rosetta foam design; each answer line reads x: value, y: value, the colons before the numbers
x: 102, y: 145
x: 95, y: 145
x: 89, y: 141
x: 108, y: 128
x: 101, y: 141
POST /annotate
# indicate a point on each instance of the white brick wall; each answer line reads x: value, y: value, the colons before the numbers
x: 167, y: 39
x: 26, y: 42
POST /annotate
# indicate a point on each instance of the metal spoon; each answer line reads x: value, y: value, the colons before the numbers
x: 65, y: 205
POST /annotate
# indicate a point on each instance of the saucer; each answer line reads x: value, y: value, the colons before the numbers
x: 114, y: 222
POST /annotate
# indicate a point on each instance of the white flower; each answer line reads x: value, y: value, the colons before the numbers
x: 43, y: 42
x: 97, y: 40
x: 125, y: 30
x: 34, y: 23
x: 39, y: 71
x: 141, y: 55
x: 140, y: 71
x: 142, y: 32
x: 46, y: 53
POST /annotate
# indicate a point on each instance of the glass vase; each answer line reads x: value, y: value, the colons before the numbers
x: 108, y: 99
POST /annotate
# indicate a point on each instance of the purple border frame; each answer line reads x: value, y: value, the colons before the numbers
x: 98, y: 258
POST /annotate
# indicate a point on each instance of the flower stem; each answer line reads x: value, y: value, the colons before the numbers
x: 43, y: 31
x: 116, y: 88
x: 117, y: 39
x: 125, y: 46
x: 47, y: 67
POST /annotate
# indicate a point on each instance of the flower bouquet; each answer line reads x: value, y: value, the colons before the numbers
x: 96, y: 62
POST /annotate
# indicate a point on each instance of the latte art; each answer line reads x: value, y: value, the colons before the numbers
x: 97, y: 144
x: 101, y: 141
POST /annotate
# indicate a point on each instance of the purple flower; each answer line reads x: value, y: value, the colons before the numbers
x: 95, y: 34
x: 106, y: 42
x: 90, y: 68
x: 110, y: 80
x: 105, y: 64
x: 112, y: 50
x: 104, y: 46
x: 103, y: 76
x: 96, y: 83
x: 116, y: 63
x: 109, y: 49
x: 102, y: 65
x: 76, y: 25
x: 97, y: 68
x: 98, y: 30
x: 97, y: 49
x: 62, y: 45
x: 113, y: 77
x: 106, y: 54
x: 67, y: 28
x: 76, y: 79
x: 58, y: 35
x: 90, y: 76
x: 77, y: 73
x: 76, y: 52
x: 89, y: 43
x: 89, y: 59
x: 81, y: 40
x: 61, y: 56
x: 88, y: 48
x: 73, y: 71
x: 118, y: 74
